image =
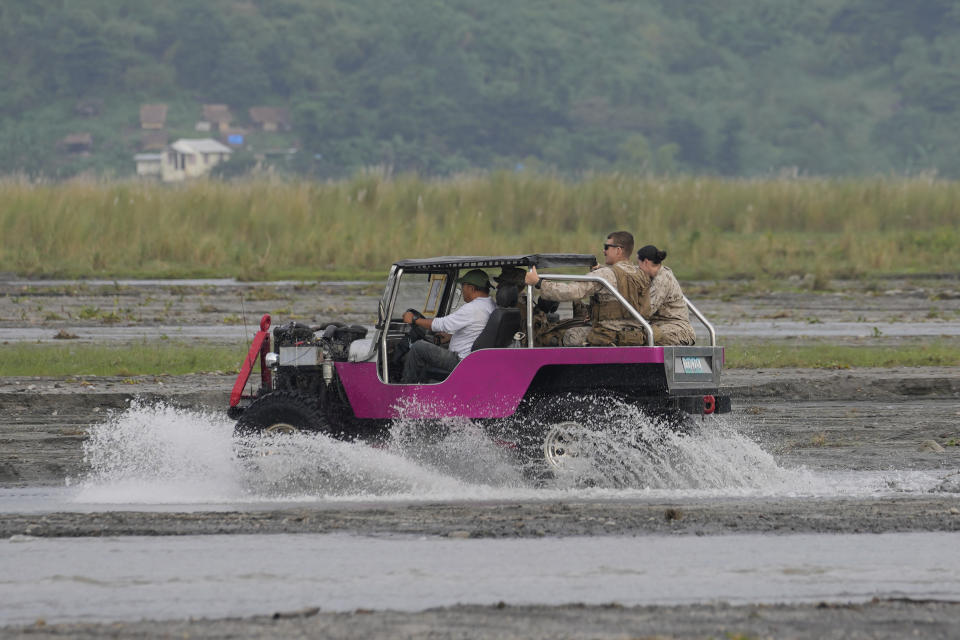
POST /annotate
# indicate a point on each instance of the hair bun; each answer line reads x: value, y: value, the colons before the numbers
x: 652, y: 254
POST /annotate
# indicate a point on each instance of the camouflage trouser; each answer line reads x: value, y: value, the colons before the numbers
x: 601, y: 336
x: 672, y: 334
x: 550, y: 334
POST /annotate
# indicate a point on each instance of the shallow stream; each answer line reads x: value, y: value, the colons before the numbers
x: 130, y: 578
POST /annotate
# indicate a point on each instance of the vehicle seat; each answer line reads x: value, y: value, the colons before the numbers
x: 503, y: 323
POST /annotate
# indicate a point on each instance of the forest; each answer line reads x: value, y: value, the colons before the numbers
x: 745, y: 88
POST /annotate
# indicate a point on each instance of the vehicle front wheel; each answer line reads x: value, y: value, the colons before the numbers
x: 282, y: 412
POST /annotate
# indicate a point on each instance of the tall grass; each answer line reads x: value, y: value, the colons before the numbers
x: 270, y: 228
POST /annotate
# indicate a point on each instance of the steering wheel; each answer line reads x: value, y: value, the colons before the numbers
x: 416, y: 332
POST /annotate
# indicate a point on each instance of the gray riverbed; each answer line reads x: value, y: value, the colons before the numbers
x: 131, y: 578
x: 809, y: 462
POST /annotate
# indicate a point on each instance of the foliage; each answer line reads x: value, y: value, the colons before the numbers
x: 823, y: 87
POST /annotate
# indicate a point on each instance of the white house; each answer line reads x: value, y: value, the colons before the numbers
x: 189, y: 158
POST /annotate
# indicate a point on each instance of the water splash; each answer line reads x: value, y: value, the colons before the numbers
x: 158, y: 454
x: 641, y: 452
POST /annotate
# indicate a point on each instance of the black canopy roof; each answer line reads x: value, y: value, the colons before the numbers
x: 539, y: 260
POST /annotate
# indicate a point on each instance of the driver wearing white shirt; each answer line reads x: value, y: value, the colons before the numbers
x: 465, y: 325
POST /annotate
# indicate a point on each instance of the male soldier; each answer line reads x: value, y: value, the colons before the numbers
x: 610, y: 323
x: 465, y: 324
x: 668, y: 310
x: 514, y: 276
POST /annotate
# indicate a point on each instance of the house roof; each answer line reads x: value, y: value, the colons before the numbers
x: 217, y: 113
x: 280, y: 115
x: 153, y: 139
x: 199, y: 145
x: 153, y: 113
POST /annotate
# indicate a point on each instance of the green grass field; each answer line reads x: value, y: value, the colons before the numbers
x: 151, y: 358
x: 826, y: 356
x: 712, y: 228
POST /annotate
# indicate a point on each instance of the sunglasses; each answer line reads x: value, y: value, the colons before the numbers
x: 607, y: 246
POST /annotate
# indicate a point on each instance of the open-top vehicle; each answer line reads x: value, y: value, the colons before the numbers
x: 337, y: 380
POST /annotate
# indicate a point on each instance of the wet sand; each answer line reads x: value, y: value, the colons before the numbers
x: 875, y: 312
x: 879, y: 619
x: 872, y: 429
x: 865, y: 419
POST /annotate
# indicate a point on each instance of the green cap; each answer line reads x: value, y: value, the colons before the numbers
x: 476, y: 277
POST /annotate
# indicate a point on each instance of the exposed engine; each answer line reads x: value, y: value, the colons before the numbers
x: 333, y: 339
x: 303, y: 356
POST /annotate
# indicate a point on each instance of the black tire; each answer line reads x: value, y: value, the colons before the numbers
x: 565, y: 427
x: 282, y: 412
x: 546, y: 436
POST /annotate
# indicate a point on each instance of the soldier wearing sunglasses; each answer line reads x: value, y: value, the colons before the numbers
x: 610, y: 323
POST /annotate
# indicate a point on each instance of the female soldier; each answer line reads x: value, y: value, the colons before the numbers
x: 668, y: 309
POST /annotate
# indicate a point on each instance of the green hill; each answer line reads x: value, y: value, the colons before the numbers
x: 733, y: 87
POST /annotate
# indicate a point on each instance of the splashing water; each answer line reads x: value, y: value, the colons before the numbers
x: 158, y: 454
x: 640, y: 452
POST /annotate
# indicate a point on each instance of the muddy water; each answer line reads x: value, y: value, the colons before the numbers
x: 155, y: 456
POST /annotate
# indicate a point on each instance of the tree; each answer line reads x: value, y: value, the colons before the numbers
x: 201, y: 39
x: 691, y: 140
x: 729, y: 154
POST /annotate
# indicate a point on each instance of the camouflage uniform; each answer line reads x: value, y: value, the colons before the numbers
x: 668, y: 311
x: 610, y: 324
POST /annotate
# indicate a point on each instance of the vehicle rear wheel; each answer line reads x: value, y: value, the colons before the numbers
x: 586, y: 439
x: 553, y: 436
x: 282, y: 412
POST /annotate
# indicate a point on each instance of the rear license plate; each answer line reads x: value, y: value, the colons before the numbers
x: 694, y: 364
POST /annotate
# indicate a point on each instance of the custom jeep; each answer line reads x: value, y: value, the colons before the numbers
x: 344, y: 381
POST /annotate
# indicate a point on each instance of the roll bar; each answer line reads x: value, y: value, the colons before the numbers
x: 703, y: 319
x: 397, y: 273
x: 623, y: 301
